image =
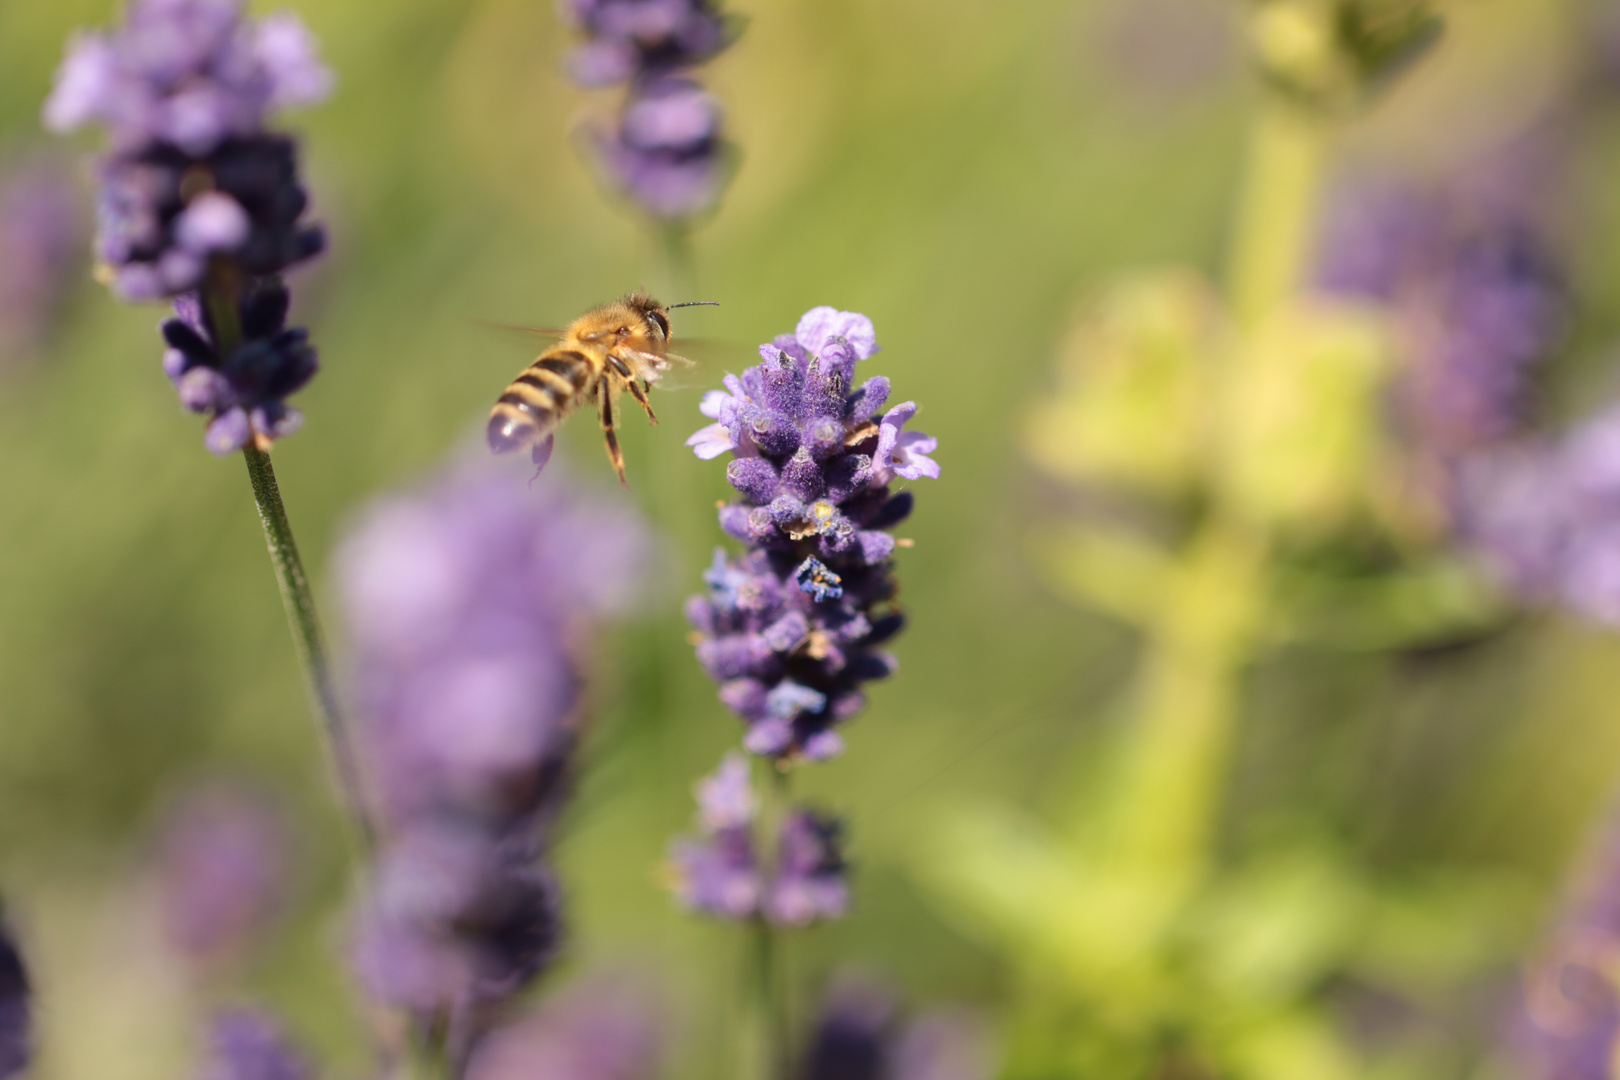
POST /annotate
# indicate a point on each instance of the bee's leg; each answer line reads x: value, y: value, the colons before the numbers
x: 639, y: 392
x: 604, y: 395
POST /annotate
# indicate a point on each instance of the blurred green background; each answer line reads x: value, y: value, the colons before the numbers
x: 967, y: 174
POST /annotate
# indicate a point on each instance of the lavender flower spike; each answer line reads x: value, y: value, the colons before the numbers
x: 464, y: 603
x: 16, y: 1010
x: 246, y: 1045
x: 721, y: 874
x: 184, y: 89
x: 627, y: 40
x: 791, y: 628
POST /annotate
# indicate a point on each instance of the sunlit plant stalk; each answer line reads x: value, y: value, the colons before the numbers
x: 221, y: 298
x: 1203, y: 636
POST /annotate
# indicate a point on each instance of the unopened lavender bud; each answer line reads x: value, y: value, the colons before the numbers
x: 16, y: 1010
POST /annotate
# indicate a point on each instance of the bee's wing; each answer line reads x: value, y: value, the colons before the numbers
x: 702, y: 361
x: 542, y: 331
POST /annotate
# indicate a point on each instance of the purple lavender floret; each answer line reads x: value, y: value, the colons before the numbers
x: 188, y: 73
x: 16, y: 1010
x: 791, y: 628
x: 464, y: 603
x: 601, y: 1028
x: 222, y: 862
x: 801, y: 878
x: 1546, y: 517
x: 183, y: 89
x: 457, y: 917
x: 42, y: 231
x: 811, y: 882
x: 665, y: 153
x: 1478, y: 293
x: 164, y: 214
x: 636, y: 40
x: 1568, y: 1024
x: 246, y: 1045
x: 243, y: 394
x: 859, y: 1036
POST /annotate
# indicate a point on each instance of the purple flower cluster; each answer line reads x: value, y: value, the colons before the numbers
x: 599, y: 1028
x: 183, y: 89
x: 722, y: 873
x: 463, y: 602
x: 245, y: 1045
x: 41, y: 231
x: 792, y: 628
x: 1546, y: 517
x: 195, y: 195
x: 16, y: 1010
x: 1475, y: 286
x: 244, y: 393
x: 1568, y: 1025
x: 222, y: 859
x: 859, y: 1036
x: 664, y: 152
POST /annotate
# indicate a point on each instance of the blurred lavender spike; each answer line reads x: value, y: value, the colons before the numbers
x: 42, y: 229
x: 222, y: 860
x: 666, y: 153
x: 859, y: 1035
x: 16, y: 1009
x: 465, y: 602
x: 602, y: 1027
x: 1546, y: 517
x: 721, y: 874
x: 791, y: 629
x: 247, y: 1045
x: 1475, y: 284
x: 197, y: 193
x: 640, y: 40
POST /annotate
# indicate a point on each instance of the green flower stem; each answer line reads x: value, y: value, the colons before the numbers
x: 679, y: 264
x: 1276, y: 214
x: 1188, y: 703
x: 766, y: 1037
x: 222, y: 293
x: 1203, y: 636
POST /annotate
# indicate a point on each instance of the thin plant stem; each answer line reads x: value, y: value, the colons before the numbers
x: 1204, y: 636
x: 765, y: 1042
x: 678, y: 268
x: 222, y: 295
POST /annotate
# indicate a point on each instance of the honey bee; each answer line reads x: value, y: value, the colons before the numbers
x: 618, y: 347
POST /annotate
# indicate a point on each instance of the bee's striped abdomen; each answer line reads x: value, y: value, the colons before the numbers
x: 538, y: 400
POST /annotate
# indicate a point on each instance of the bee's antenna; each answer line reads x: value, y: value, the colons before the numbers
x: 695, y: 303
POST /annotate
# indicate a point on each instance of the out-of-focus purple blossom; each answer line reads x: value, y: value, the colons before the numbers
x: 1546, y: 517
x: 456, y: 917
x: 600, y: 1028
x: 246, y: 1045
x: 183, y: 89
x: 464, y: 604
x: 722, y: 873
x: 665, y: 153
x: 1476, y: 288
x: 243, y: 394
x: 222, y: 862
x: 1568, y: 1027
x: 791, y: 628
x: 164, y: 215
x: 859, y: 1035
x: 810, y: 884
x: 16, y: 1010
x: 187, y: 73
x: 461, y: 602
x: 42, y: 232
x: 634, y: 40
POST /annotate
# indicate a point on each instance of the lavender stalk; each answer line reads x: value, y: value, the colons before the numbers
x: 793, y: 628
x: 201, y: 204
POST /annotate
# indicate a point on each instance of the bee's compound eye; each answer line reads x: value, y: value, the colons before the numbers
x: 509, y: 431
